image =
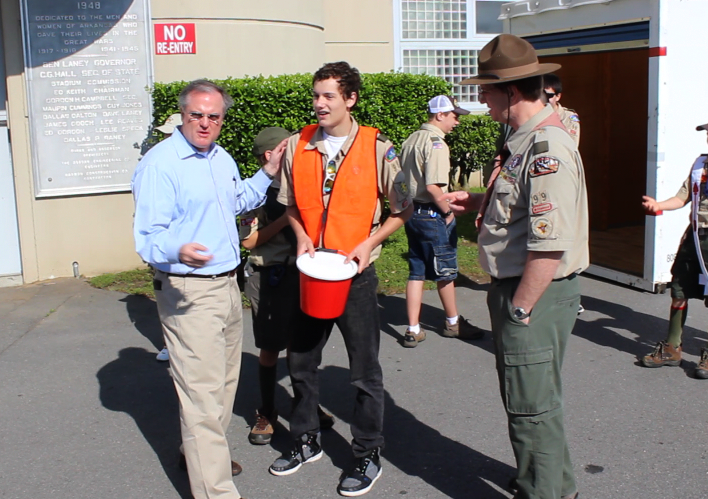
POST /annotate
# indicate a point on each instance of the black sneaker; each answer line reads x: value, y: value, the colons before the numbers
x: 362, y: 477
x: 701, y: 371
x: 307, y: 450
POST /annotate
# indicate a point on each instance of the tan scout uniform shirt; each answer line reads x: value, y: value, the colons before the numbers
x: 273, y: 252
x: 391, y: 181
x: 684, y: 194
x: 538, y: 203
x: 571, y: 120
x: 425, y: 159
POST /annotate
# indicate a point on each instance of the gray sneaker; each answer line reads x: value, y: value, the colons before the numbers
x: 307, y: 450
x: 463, y: 330
x: 359, y: 480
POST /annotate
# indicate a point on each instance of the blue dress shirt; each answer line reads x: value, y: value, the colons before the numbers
x: 185, y: 196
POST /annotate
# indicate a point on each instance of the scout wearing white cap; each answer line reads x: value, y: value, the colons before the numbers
x: 170, y: 124
x: 444, y: 104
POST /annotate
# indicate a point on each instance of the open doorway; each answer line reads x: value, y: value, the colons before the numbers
x: 609, y: 91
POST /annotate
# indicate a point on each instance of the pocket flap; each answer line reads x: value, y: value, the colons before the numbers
x: 528, y: 358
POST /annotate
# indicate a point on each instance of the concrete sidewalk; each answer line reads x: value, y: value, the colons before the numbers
x: 86, y: 411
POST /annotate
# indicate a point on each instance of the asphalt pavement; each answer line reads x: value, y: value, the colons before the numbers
x: 87, y: 412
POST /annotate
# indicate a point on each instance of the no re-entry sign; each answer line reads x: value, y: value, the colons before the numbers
x: 171, y: 39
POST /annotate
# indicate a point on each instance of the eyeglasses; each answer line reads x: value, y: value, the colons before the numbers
x: 550, y: 95
x: 195, y: 116
x: 331, y: 171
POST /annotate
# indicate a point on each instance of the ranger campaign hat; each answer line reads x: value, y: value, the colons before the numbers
x: 702, y: 127
x: 508, y: 58
x: 268, y: 138
x: 170, y: 124
x: 443, y: 104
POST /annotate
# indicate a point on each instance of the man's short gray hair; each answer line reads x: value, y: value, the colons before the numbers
x: 207, y: 87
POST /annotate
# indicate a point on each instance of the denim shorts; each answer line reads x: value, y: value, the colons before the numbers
x: 432, y: 247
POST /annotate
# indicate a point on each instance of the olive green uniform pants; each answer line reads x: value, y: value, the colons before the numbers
x: 529, y: 358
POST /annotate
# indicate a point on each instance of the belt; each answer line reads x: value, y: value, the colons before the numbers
x: 428, y: 208
x: 229, y: 273
x: 505, y: 279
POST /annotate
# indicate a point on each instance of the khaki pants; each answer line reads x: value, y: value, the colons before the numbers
x: 202, y: 322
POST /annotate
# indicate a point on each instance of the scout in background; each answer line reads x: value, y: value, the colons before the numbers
x: 432, y: 229
x: 688, y: 273
x: 168, y: 128
x: 272, y: 286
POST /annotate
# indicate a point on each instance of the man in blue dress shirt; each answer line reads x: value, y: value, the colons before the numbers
x: 188, y: 192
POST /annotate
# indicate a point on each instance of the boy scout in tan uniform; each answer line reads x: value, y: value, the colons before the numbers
x: 272, y: 287
x: 432, y: 230
x: 689, y: 265
x: 553, y: 88
x: 533, y: 241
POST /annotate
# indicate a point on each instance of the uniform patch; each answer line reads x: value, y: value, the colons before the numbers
x: 541, y: 203
x: 575, y: 117
x: 245, y: 222
x: 542, y: 228
x: 544, y: 166
x: 400, y: 186
x: 540, y: 147
x: 391, y: 154
x: 539, y: 209
x: 515, y: 161
x: 437, y: 145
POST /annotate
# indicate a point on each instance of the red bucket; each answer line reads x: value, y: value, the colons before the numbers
x: 324, y: 283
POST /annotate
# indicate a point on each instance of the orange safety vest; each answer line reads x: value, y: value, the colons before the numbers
x: 352, y: 202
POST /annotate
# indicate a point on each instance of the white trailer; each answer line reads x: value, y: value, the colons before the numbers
x: 636, y: 71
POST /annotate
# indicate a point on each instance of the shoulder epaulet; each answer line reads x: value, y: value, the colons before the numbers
x: 435, y: 138
x: 382, y: 137
x: 540, y: 147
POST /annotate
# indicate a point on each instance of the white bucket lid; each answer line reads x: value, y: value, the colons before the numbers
x: 326, y: 266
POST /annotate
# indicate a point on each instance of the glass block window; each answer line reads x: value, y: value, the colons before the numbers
x: 426, y: 19
x: 452, y: 65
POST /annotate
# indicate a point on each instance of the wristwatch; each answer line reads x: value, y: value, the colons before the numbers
x: 445, y: 215
x: 521, y: 314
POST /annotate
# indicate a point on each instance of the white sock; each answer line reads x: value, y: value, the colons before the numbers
x: 452, y: 320
x: 414, y: 329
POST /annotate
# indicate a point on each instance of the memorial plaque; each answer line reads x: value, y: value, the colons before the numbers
x: 88, y: 68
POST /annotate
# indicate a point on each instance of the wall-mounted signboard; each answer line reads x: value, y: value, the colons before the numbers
x: 88, y: 68
x: 175, y: 38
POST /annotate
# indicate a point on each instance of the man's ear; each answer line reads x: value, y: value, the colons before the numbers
x: 559, y: 97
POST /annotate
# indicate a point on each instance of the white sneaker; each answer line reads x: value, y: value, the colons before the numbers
x: 164, y: 355
x: 581, y: 309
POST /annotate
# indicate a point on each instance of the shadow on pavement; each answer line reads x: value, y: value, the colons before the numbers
x: 136, y: 384
x: 412, y: 446
x: 394, y: 319
x: 142, y: 312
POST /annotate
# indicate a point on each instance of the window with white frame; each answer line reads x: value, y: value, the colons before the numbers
x: 443, y: 38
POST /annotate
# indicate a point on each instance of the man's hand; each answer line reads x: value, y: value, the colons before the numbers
x: 272, y: 167
x: 192, y: 254
x: 462, y: 202
x: 362, y: 254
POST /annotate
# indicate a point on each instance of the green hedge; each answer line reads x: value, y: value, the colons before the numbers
x: 395, y: 103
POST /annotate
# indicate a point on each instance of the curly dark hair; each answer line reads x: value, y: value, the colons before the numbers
x: 348, y: 78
